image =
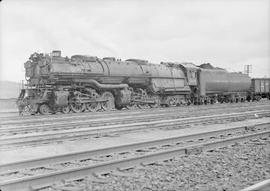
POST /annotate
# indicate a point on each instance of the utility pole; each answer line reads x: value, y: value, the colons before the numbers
x: 248, y: 69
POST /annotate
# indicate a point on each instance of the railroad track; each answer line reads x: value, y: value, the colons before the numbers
x: 40, y: 173
x: 7, y: 129
x: 35, y: 139
x: 45, y: 118
x: 63, y: 118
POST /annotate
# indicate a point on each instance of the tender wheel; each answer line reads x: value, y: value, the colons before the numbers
x: 131, y: 106
x: 172, y: 102
x: 44, y: 109
x: 65, y: 109
x: 109, y: 104
x: 93, y: 107
x: 77, y: 107
x: 143, y: 106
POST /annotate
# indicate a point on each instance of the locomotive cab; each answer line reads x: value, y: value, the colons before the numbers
x: 191, y: 73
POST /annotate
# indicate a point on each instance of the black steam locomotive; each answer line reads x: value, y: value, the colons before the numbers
x: 85, y: 83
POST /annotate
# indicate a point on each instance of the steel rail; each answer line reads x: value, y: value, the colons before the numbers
x: 119, y: 128
x: 24, y: 128
x: 102, y: 118
x: 76, y: 155
x: 261, y: 186
x: 106, y: 167
x: 51, y: 118
x: 13, y: 119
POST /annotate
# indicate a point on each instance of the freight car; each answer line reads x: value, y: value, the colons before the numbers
x: 85, y: 83
x: 260, y: 88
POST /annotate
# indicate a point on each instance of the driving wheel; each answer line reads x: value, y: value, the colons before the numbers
x: 108, y: 104
x: 77, y: 107
x: 44, y: 109
x: 93, y: 107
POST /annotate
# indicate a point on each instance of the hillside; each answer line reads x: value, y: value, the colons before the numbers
x: 9, y: 89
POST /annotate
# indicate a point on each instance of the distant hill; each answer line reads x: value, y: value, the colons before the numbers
x: 9, y: 89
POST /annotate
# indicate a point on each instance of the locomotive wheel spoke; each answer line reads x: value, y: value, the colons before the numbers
x: 109, y: 103
x: 44, y: 109
x: 93, y: 107
x: 65, y: 109
x: 77, y: 107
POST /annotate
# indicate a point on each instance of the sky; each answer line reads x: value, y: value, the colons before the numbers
x: 225, y: 33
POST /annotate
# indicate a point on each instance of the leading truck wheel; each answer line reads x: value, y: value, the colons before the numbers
x: 44, y: 109
x: 108, y: 104
x: 29, y: 109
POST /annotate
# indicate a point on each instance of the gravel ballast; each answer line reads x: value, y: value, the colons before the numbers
x: 227, y: 169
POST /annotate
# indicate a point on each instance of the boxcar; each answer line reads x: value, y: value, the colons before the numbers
x: 260, y: 88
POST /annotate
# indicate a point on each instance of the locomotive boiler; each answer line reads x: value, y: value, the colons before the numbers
x: 80, y: 83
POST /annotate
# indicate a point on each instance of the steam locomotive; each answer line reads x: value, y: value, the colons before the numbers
x: 85, y: 83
